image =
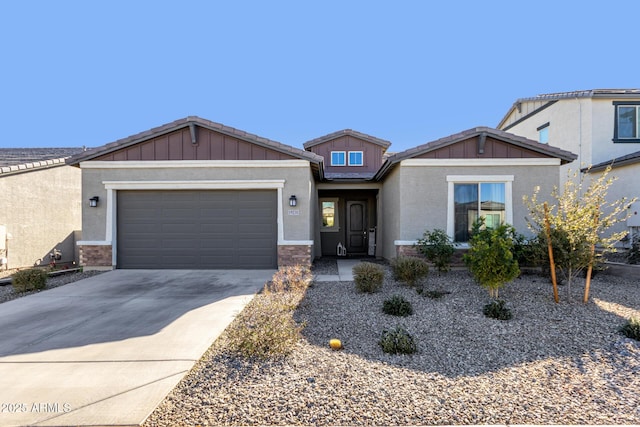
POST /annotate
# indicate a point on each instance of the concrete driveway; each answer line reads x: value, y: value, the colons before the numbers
x: 106, y: 350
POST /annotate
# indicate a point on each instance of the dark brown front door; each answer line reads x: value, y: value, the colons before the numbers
x: 356, y: 227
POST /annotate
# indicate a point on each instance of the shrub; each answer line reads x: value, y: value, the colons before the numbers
x: 632, y: 329
x: 368, y: 277
x: 397, y: 306
x: 633, y: 256
x: 28, y: 280
x: 490, y: 259
x: 292, y: 278
x: 397, y: 341
x: 409, y: 269
x: 264, y: 330
x: 438, y: 248
x: 496, y: 309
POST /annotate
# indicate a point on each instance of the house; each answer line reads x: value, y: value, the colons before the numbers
x: 198, y: 194
x: 40, y: 214
x: 602, y: 126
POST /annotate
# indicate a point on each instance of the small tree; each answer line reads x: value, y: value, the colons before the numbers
x: 579, y: 221
x: 438, y: 248
x: 490, y: 257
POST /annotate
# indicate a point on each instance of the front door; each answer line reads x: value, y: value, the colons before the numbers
x: 356, y: 227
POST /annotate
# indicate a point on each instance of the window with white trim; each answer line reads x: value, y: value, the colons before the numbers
x: 338, y: 158
x: 356, y: 158
x: 472, y: 197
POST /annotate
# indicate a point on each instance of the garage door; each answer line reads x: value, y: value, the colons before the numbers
x: 197, y: 229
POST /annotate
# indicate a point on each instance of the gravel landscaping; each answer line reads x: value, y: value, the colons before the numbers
x: 550, y: 364
x: 7, y: 293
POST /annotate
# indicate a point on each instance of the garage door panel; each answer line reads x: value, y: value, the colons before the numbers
x: 197, y: 229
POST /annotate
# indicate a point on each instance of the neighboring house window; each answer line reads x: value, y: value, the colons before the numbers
x: 338, y: 158
x: 355, y: 158
x: 627, y: 122
x: 330, y: 215
x: 543, y: 133
x: 472, y: 197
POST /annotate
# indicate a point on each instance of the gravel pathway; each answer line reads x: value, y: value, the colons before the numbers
x: 551, y: 364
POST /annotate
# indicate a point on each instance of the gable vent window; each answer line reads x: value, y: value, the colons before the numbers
x: 355, y: 158
x: 543, y: 133
x: 338, y: 158
x: 627, y: 122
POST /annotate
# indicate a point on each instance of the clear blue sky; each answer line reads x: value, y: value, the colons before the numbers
x: 79, y: 73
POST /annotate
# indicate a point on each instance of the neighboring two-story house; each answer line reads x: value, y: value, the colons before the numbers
x: 601, y: 126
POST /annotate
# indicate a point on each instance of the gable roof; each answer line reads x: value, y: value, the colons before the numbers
x: 189, y: 122
x: 628, y: 159
x: 347, y: 132
x: 509, y: 138
x: 555, y: 97
x: 18, y: 160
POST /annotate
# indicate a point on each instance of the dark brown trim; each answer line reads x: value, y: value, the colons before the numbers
x: 531, y: 114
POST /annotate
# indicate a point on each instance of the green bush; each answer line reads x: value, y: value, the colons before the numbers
x: 397, y: 306
x: 632, y: 329
x: 490, y: 258
x: 397, y: 341
x: 28, y: 280
x: 368, y: 277
x: 496, y: 309
x: 409, y: 269
x: 438, y: 248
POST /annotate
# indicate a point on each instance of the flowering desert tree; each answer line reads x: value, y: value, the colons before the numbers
x: 579, y: 218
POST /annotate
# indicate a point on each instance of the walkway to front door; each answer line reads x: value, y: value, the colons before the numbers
x: 345, y: 272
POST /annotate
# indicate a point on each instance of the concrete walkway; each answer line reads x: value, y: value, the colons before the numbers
x: 108, y: 349
x: 345, y: 272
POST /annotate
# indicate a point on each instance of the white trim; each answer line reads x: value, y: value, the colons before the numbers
x: 295, y: 242
x: 405, y: 242
x: 147, y: 164
x: 482, y: 162
x: 196, y: 185
x: 93, y: 243
x: 480, y: 178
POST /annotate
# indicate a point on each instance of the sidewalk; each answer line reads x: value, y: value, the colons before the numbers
x: 345, y: 272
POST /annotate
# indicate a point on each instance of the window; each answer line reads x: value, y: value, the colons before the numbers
x: 338, y: 158
x: 543, y: 133
x: 329, y: 209
x: 355, y: 158
x: 627, y: 122
x: 472, y: 197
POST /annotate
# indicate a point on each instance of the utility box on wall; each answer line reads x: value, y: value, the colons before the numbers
x: 634, y: 217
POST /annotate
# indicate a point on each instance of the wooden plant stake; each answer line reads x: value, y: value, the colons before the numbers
x: 590, y: 269
x: 552, y: 264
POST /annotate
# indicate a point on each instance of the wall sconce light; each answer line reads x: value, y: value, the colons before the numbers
x: 293, y: 201
x: 93, y: 202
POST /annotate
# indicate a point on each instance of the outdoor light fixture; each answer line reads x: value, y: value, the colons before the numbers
x: 293, y: 201
x: 93, y: 202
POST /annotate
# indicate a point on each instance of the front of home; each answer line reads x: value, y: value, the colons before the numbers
x: 200, y: 195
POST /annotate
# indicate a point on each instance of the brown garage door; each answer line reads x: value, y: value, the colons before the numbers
x: 197, y: 229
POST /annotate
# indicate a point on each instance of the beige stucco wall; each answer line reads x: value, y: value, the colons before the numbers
x: 391, y: 214
x: 423, y: 194
x: 41, y: 211
x: 297, y: 179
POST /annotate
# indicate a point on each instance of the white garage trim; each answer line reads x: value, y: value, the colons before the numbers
x: 534, y: 161
x: 113, y: 186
